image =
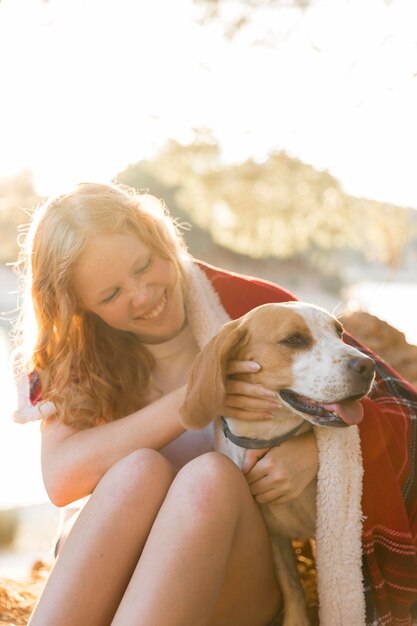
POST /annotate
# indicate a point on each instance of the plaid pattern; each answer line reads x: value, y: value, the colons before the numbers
x: 389, y: 443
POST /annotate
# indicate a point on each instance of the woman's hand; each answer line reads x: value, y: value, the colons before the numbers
x: 280, y: 474
x: 248, y: 401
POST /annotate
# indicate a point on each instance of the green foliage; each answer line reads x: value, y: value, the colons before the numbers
x: 235, y: 15
x: 281, y: 208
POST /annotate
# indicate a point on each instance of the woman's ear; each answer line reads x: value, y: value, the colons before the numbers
x: 207, y: 379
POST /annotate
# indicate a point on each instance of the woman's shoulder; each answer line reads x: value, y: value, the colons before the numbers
x: 240, y: 293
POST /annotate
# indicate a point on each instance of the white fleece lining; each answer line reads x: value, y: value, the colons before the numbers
x: 339, y: 479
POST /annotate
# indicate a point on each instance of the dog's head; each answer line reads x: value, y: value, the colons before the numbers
x: 302, y: 356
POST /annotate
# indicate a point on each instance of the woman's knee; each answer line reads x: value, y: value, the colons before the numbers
x: 213, y: 467
x: 212, y: 479
x: 137, y: 473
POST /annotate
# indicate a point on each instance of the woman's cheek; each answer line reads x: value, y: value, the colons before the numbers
x: 112, y: 315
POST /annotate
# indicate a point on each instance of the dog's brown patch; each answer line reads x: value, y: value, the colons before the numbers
x: 274, y: 340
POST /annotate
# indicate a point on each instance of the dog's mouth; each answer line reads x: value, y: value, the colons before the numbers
x: 347, y: 412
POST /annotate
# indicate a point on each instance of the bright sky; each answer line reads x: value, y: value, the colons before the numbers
x: 89, y: 86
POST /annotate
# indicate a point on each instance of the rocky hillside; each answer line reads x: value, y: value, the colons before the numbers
x: 385, y: 340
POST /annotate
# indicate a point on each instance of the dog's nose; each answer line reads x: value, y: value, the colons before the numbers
x: 362, y: 365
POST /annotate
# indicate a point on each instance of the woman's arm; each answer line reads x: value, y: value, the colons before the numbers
x: 74, y: 461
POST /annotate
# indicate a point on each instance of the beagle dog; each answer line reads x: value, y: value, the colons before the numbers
x: 319, y: 380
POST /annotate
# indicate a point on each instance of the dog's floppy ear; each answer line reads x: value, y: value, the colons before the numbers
x: 207, y: 379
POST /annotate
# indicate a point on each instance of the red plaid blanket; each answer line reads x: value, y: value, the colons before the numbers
x: 389, y: 448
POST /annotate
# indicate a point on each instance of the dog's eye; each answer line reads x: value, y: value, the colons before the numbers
x: 339, y: 329
x: 296, y: 341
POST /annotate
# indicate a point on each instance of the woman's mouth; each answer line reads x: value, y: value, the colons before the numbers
x: 156, y: 311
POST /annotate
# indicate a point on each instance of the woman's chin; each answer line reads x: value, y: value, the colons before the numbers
x: 162, y: 334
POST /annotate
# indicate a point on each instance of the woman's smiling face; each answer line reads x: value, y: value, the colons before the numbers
x: 129, y: 287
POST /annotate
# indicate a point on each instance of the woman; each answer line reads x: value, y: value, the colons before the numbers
x: 170, y: 532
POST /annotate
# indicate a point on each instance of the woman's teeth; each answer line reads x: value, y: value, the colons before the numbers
x: 156, y: 311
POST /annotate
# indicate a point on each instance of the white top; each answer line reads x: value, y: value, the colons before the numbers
x: 173, y: 359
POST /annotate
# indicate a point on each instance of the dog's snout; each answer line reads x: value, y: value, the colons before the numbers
x: 362, y: 365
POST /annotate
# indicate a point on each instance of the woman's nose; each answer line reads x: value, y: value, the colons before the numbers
x: 139, y: 294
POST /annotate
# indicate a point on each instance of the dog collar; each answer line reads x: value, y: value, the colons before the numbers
x: 253, y: 444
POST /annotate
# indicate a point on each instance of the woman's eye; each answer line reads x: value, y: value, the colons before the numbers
x: 110, y: 297
x: 145, y: 267
x: 295, y: 341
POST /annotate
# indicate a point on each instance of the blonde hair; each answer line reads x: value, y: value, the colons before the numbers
x: 92, y: 372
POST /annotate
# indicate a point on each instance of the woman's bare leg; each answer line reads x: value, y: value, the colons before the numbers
x: 101, y: 552
x: 207, y: 559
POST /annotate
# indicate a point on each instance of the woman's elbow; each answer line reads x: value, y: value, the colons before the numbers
x: 59, y: 487
x: 58, y: 497
x: 59, y: 469
x: 56, y: 492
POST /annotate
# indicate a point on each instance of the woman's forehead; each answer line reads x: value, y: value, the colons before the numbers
x: 112, y: 246
x: 105, y: 260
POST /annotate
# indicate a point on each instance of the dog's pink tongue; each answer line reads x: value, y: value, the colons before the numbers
x: 350, y: 411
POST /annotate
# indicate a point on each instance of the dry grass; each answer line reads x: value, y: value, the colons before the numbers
x: 304, y: 551
x: 18, y: 599
x: 385, y: 340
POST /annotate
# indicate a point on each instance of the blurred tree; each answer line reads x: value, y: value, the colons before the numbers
x: 281, y: 208
x: 176, y: 166
x: 235, y: 15
x: 164, y: 180
x: 17, y: 195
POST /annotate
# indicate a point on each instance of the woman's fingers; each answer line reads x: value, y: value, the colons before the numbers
x: 248, y: 401
x: 271, y: 497
x: 251, y: 458
x: 242, y: 367
x: 258, y: 472
x: 267, y: 489
x: 243, y: 388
